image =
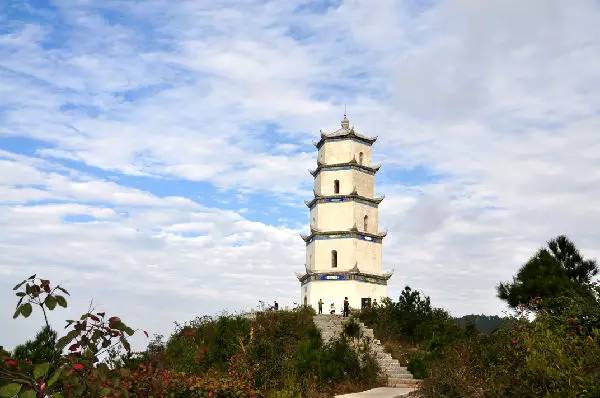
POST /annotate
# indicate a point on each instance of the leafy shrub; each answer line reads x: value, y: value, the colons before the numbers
x: 483, y: 323
x: 39, y: 367
x: 418, y: 364
x: 413, y: 322
x: 411, y: 318
x: 339, y: 361
x: 551, y: 356
x: 279, y: 353
x: 206, y: 343
x: 352, y: 329
x: 276, y: 354
x: 38, y: 292
x: 148, y: 380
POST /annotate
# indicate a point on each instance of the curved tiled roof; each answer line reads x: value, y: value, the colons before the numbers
x: 346, y: 132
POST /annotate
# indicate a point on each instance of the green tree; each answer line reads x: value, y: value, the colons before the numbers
x: 40, y: 349
x: 552, y: 272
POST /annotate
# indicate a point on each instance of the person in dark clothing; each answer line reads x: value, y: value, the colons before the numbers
x: 276, y: 306
x: 320, y: 306
x: 346, y: 307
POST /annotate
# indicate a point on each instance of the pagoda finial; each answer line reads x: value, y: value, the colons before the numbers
x: 345, y: 121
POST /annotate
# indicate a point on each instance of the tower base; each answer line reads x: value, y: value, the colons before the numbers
x: 334, y: 291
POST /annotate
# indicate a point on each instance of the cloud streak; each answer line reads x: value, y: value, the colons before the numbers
x: 487, y: 116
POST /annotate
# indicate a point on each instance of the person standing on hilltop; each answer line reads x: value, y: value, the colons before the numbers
x: 320, y: 306
x: 332, y: 309
x: 346, y: 307
x: 276, y: 306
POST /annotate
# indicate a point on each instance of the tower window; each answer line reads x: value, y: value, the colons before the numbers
x: 336, y: 186
x: 333, y: 259
x: 366, y: 222
x: 360, y: 158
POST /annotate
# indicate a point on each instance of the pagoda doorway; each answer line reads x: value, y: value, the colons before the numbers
x: 365, y: 302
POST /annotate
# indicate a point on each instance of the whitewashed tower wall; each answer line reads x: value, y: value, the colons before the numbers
x: 344, y: 247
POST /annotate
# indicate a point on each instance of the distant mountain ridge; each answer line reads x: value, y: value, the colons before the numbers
x: 484, y: 323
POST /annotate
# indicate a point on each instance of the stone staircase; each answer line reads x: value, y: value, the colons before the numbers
x: 332, y: 326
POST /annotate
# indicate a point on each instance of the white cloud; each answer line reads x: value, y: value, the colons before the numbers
x: 136, y: 248
x: 497, y: 99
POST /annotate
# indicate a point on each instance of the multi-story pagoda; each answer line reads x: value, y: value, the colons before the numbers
x: 343, y: 249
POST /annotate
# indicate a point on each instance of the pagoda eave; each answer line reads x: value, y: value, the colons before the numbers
x: 353, y: 233
x: 344, y: 134
x: 351, y: 164
x: 342, y: 275
x: 342, y: 198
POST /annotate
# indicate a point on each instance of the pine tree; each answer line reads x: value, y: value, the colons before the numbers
x: 556, y: 271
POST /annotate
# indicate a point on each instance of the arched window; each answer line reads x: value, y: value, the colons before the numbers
x: 333, y: 259
x: 360, y: 158
x: 366, y: 222
x: 336, y: 186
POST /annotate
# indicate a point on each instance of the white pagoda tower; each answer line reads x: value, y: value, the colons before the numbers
x: 343, y: 249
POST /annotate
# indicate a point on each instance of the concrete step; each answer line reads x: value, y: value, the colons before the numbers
x: 396, y: 380
x: 412, y: 383
x: 395, y: 373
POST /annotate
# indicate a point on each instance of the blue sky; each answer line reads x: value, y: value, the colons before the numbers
x: 156, y: 153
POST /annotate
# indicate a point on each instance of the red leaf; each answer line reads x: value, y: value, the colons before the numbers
x: 146, y: 333
x: 74, y: 347
x: 78, y: 366
x: 113, y: 321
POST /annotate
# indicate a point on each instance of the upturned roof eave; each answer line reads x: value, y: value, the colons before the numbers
x: 352, y: 163
x: 349, y: 134
x: 312, y: 202
x: 304, y: 276
x: 313, y: 233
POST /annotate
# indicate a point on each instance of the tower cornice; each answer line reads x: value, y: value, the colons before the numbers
x: 343, y: 198
x: 352, y: 233
x: 353, y: 164
x: 352, y: 274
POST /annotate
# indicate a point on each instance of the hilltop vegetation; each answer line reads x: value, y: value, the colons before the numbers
x: 271, y: 354
x: 550, y: 347
x: 483, y: 323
